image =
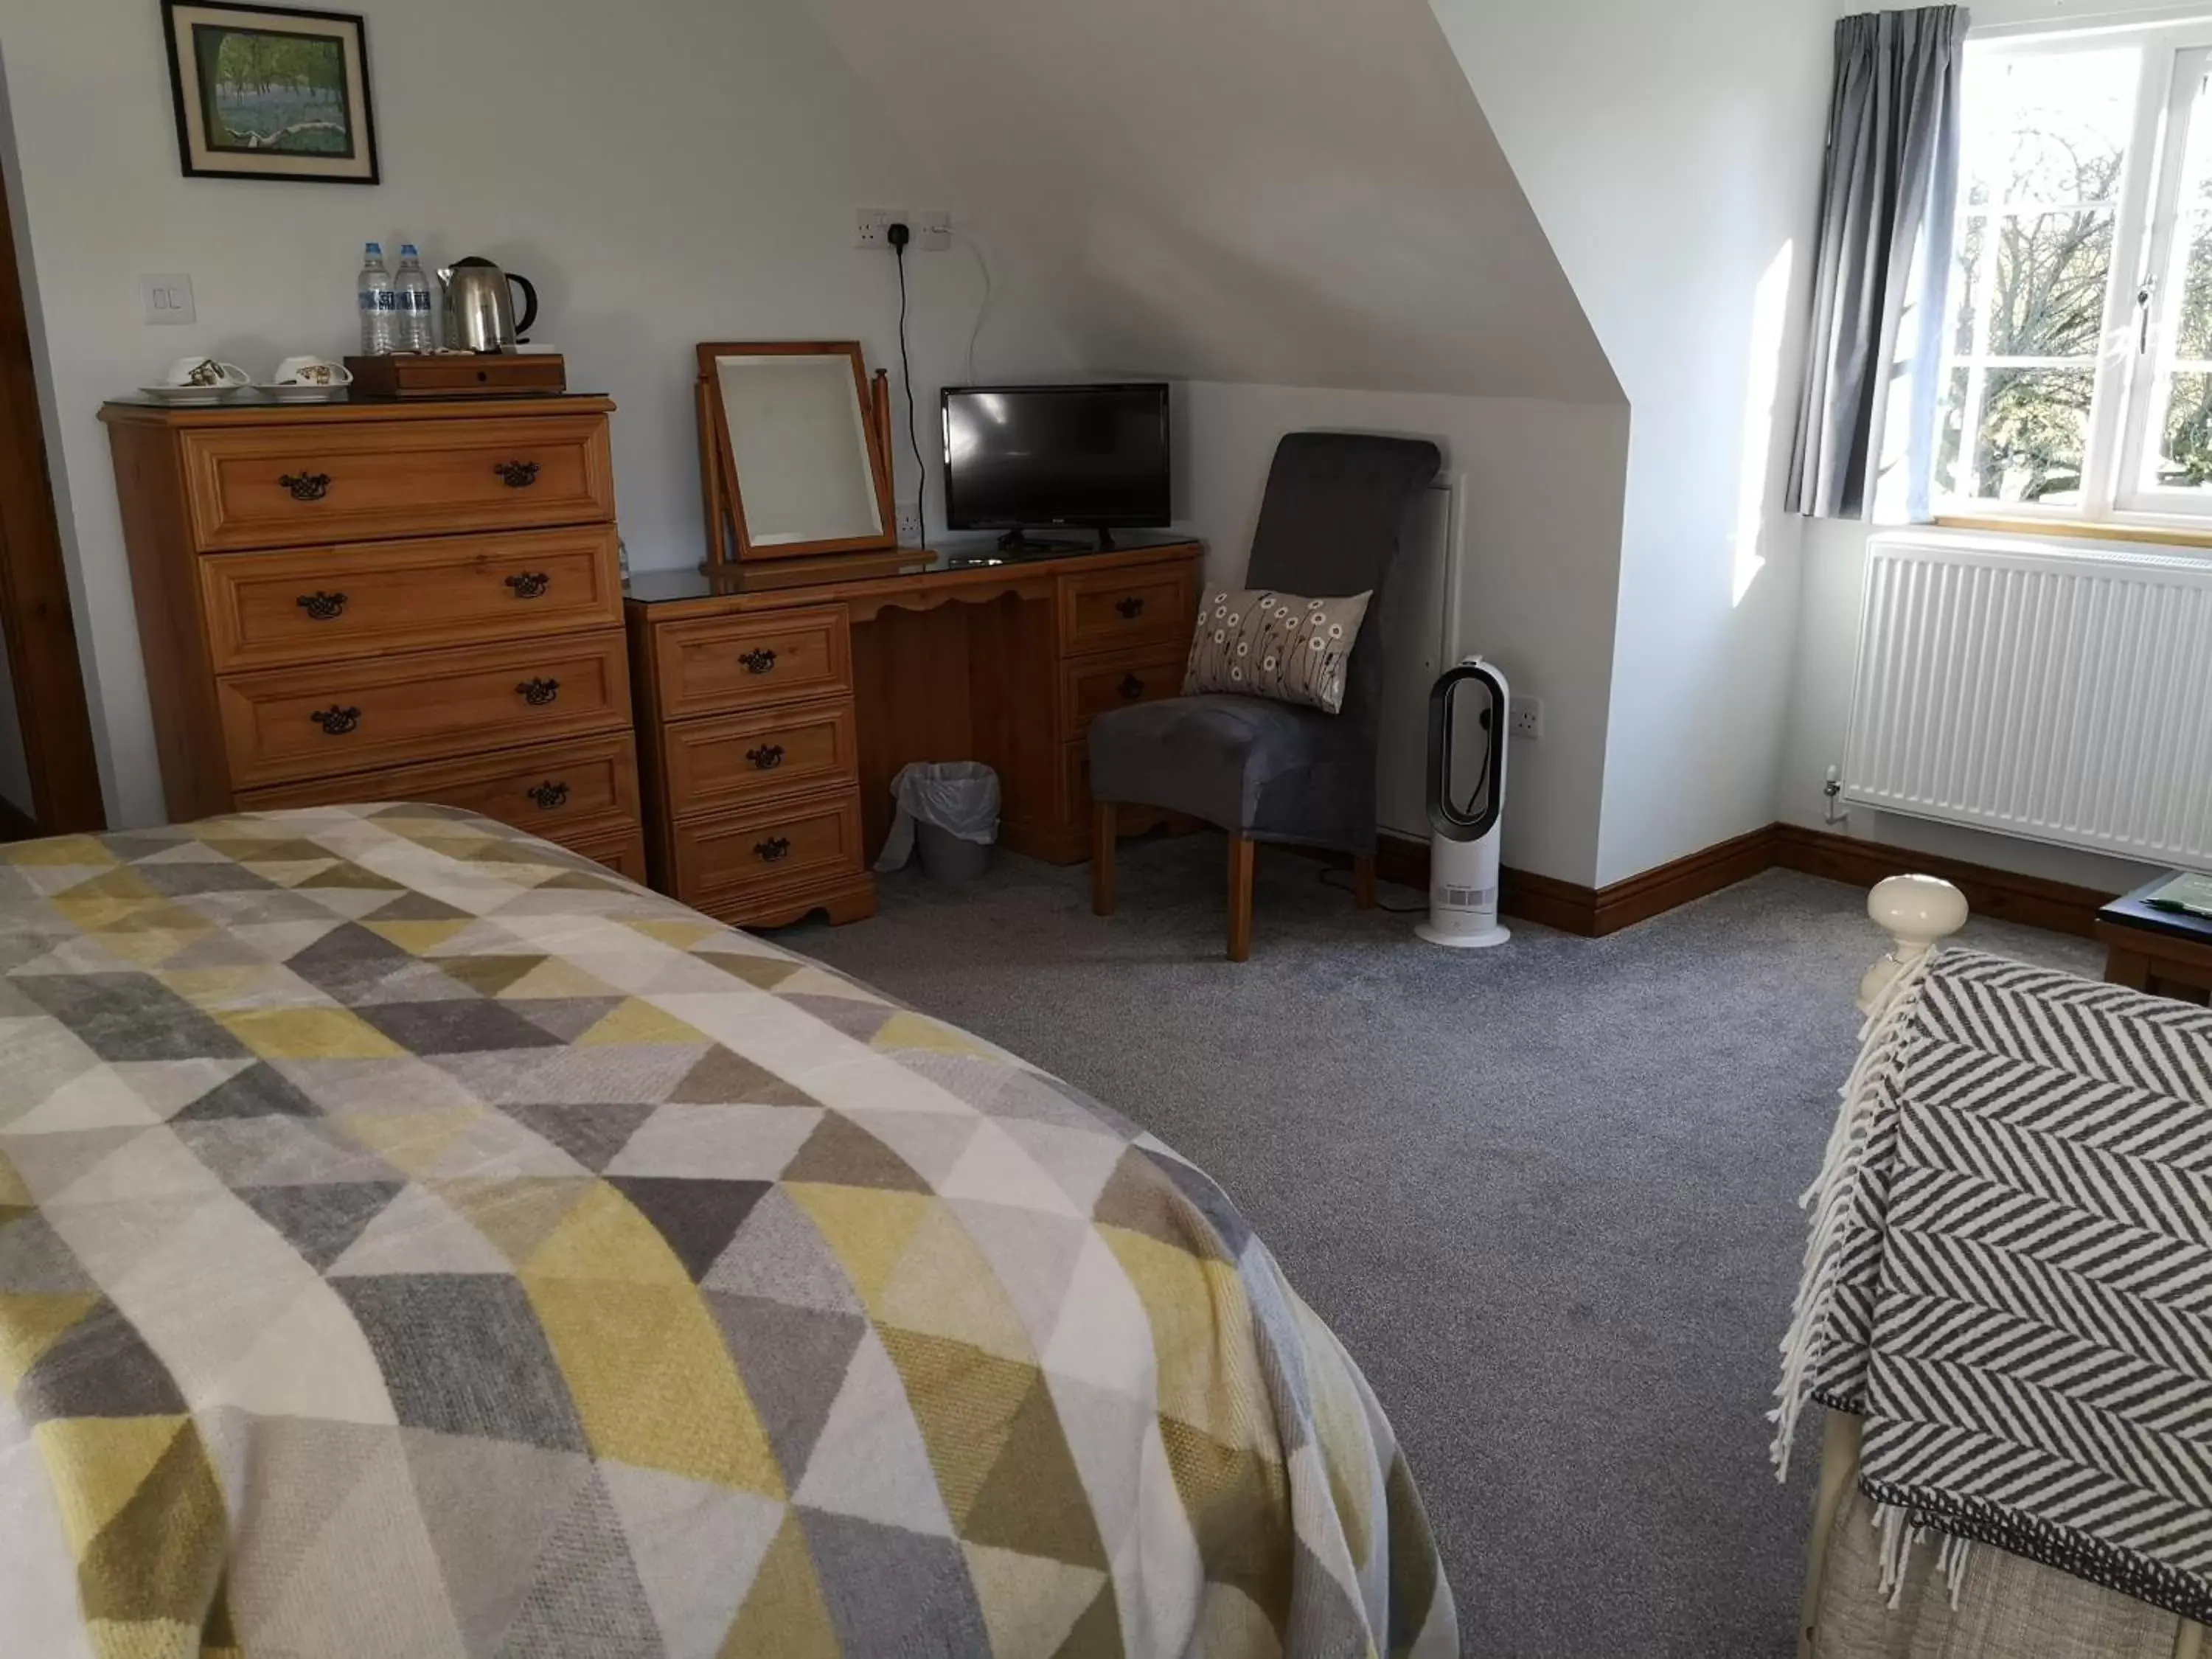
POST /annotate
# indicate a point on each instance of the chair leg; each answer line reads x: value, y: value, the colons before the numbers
x: 1241, y: 851
x: 1104, y: 824
x: 1363, y: 882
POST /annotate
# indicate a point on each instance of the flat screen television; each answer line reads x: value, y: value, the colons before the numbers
x: 1090, y: 456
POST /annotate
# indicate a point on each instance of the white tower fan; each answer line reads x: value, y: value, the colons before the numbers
x: 1466, y: 811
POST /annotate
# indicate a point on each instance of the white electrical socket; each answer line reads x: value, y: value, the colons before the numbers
x: 1526, y: 716
x: 932, y: 231
x: 910, y: 524
x: 871, y: 224
x: 167, y: 297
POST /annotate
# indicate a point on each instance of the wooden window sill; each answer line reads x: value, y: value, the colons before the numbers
x: 2081, y: 531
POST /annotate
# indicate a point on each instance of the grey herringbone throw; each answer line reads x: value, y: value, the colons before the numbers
x: 2010, y: 1276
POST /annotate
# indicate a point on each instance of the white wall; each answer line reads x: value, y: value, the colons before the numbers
x: 1297, y: 193
x: 668, y: 171
x: 1542, y: 487
x: 1672, y: 155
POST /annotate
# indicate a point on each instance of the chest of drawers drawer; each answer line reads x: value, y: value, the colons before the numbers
x: 304, y: 484
x: 563, y: 790
x: 312, y: 605
x: 717, y: 665
x: 1110, y: 610
x: 288, y: 723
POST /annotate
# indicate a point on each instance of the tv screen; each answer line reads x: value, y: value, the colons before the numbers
x: 1094, y: 455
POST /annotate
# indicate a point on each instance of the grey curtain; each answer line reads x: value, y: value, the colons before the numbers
x: 1888, y: 198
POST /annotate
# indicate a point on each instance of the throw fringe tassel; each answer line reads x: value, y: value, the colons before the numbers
x: 1899, y: 1537
x: 1830, y: 1199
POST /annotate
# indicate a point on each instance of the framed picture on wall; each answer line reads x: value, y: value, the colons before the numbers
x: 270, y: 92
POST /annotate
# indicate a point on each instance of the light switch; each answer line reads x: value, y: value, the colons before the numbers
x: 169, y: 297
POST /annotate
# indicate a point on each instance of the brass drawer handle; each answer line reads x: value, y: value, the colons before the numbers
x: 335, y: 721
x: 766, y: 757
x: 539, y: 692
x: 518, y: 475
x: 1131, y: 608
x: 774, y: 848
x: 760, y: 662
x: 1131, y: 688
x: 305, y: 486
x: 321, y: 606
x: 548, y: 796
x: 529, y: 584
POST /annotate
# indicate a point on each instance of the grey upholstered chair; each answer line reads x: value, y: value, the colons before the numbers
x: 1260, y: 769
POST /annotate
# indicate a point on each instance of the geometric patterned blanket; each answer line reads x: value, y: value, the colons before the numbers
x: 2011, y: 1273
x: 415, y: 1240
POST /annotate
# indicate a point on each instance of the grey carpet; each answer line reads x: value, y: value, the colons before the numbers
x: 1546, y: 1195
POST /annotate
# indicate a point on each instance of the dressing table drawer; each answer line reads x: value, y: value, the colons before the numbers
x: 1104, y: 609
x: 286, y: 723
x: 726, y: 760
x: 1091, y: 685
x: 717, y: 665
x: 723, y: 859
x: 282, y: 486
x: 320, y: 602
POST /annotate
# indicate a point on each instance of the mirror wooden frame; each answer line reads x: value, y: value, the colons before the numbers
x: 722, y: 490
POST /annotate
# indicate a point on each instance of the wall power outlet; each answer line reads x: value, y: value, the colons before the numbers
x: 910, y: 524
x: 871, y: 224
x: 1525, y: 719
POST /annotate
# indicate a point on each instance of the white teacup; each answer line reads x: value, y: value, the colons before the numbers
x: 206, y: 372
x: 312, y: 371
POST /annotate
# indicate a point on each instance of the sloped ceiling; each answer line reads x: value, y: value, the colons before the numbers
x: 1298, y: 193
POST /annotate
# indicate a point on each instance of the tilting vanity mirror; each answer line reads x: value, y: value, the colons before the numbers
x: 794, y: 456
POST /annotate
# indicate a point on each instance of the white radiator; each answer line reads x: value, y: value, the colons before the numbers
x: 2052, y: 691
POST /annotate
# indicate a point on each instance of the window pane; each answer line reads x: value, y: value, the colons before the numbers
x: 2052, y: 272
x: 2049, y: 127
x: 2185, y: 454
x: 2192, y: 324
x: 2032, y: 433
x: 1966, y: 296
x: 1950, y: 419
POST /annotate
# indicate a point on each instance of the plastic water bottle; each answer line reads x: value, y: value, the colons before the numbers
x: 414, y: 301
x: 379, y: 305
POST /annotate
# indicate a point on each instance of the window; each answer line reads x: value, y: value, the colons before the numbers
x: 2077, y: 369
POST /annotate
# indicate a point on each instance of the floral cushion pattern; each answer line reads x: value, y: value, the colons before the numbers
x: 1265, y: 644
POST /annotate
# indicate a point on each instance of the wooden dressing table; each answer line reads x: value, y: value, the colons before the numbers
x: 776, y: 700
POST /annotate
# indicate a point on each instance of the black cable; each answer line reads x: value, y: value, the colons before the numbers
x: 898, y: 236
x: 1328, y: 870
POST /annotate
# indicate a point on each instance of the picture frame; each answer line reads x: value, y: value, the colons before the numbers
x: 271, y: 92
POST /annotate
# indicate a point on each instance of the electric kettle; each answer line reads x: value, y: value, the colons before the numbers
x: 480, y: 311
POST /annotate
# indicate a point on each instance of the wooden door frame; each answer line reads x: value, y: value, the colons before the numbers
x: 35, y: 617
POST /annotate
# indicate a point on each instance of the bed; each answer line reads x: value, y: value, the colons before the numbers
x: 416, y: 1240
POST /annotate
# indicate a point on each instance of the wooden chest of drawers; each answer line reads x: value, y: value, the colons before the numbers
x: 772, y: 718
x: 360, y: 602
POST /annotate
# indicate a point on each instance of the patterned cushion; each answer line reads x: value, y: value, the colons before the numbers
x: 1265, y: 644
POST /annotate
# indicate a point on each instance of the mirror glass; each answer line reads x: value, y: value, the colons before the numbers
x: 799, y: 442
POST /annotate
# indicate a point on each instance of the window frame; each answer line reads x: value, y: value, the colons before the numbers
x: 2129, y: 364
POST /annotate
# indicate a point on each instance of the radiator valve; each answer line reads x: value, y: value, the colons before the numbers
x: 1833, y: 790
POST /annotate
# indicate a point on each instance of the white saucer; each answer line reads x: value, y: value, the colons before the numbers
x: 295, y: 392
x: 189, y: 396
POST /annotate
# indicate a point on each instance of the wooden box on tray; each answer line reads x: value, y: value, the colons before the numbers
x: 405, y: 375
